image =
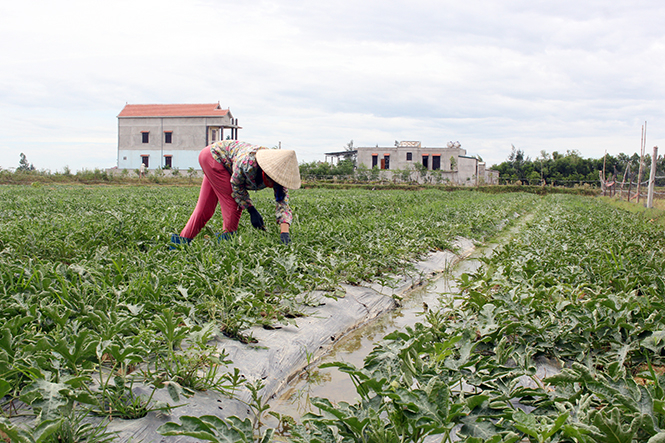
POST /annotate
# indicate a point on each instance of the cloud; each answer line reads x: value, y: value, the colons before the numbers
x: 539, y: 75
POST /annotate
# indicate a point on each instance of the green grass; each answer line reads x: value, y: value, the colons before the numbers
x: 651, y: 215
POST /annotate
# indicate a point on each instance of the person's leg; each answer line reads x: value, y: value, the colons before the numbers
x: 220, y: 181
x: 205, y: 206
x: 205, y: 209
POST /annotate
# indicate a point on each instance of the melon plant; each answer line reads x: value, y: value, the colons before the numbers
x: 558, y: 337
x: 94, y: 303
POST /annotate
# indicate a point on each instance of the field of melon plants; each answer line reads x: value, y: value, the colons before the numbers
x: 94, y: 302
x: 558, y: 337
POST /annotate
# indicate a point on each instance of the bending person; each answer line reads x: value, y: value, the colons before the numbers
x: 232, y: 168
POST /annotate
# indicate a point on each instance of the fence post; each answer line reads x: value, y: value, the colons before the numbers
x: 624, y: 180
x: 652, y: 177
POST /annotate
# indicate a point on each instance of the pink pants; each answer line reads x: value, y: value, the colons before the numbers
x: 216, y: 187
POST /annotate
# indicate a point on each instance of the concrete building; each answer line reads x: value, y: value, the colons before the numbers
x: 171, y: 136
x: 449, y: 164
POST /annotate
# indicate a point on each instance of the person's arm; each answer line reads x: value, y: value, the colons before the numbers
x: 239, y: 188
x: 284, y: 217
x: 241, y: 196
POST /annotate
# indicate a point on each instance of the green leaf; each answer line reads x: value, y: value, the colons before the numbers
x: 6, y: 340
x: 76, y: 350
x: 5, y: 387
x: 191, y: 427
x: 558, y: 424
x: 267, y: 437
x: 526, y: 423
x: 421, y: 408
x: 479, y: 428
x: 15, y: 433
x: 610, y: 426
x: 46, y: 398
x: 46, y: 428
x: 327, y: 407
x: 655, y: 342
x: 242, y: 429
x: 476, y: 400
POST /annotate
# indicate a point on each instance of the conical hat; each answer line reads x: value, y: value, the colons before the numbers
x: 281, y: 165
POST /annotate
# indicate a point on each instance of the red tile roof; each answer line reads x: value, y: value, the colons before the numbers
x: 205, y: 110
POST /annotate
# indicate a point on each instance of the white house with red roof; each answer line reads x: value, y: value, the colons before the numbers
x: 171, y: 136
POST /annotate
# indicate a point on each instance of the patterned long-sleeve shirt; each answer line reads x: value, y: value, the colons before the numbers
x: 239, y: 158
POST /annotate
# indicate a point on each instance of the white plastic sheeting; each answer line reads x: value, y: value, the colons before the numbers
x: 280, y: 354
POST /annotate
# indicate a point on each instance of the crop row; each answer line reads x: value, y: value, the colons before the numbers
x: 580, y: 287
x: 93, y: 300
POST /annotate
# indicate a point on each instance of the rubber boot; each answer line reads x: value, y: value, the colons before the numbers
x: 225, y: 236
x: 177, y: 241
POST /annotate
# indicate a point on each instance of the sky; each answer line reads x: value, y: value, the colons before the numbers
x: 542, y: 75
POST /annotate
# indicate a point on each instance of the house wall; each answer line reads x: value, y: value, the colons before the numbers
x: 398, y: 156
x: 464, y: 172
x: 491, y: 177
x: 467, y: 170
x: 189, y: 136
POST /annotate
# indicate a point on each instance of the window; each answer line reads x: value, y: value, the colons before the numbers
x: 409, y: 156
x: 168, y: 161
x: 213, y: 136
x: 426, y: 161
x: 375, y: 160
x: 436, y: 162
x: 168, y: 137
x: 145, y: 137
x: 144, y: 160
x: 386, y: 159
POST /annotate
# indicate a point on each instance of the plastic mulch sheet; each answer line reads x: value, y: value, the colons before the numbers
x: 281, y: 354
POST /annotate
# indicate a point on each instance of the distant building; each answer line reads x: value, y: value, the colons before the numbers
x: 335, y: 157
x: 450, y: 163
x: 170, y: 136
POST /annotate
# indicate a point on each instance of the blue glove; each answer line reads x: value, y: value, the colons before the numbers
x: 285, y: 238
x: 255, y: 217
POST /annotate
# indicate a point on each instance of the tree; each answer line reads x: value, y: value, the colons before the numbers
x: 349, y: 146
x: 315, y: 169
x: 534, y: 178
x: 374, y: 174
x: 404, y: 175
x: 518, y: 167
x: 344, y: 167
x: 422, y: 171
x: 566, y: 169
x: 24, y: 165
x: 437, y: 176
x: 362, y: 173
x: 191, y: 172
x: 351, y: 152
